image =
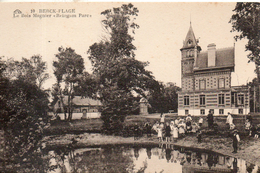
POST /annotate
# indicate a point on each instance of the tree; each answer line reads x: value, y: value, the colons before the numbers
x: 67, y: 69
x: 23, y: 116
x: 120, y: 77
x: 164, y: 97
x: 246, y: 21
x: 32, y: 70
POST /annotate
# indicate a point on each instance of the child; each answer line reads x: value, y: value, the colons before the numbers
x: 188, y: 126
x: 200, y: 121
x: 136, y: 131
x: 155, y: 126
x: 162, y: 118
x: 195, y: 127
x: 159, y: 131
x: 167, y: 132
x: 247, y: 126
x: 236, y: 139
x: 182, y: 127
x: 177, y: 121
x: 252, y: 131
x: 175, y: 133
x: 257, y: 131
x: 172, y: 128
x: 199, y: 135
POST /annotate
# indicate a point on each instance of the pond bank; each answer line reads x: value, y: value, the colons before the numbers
x: 249, y: 149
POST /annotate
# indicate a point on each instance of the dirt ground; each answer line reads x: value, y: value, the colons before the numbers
x: 249, y: 149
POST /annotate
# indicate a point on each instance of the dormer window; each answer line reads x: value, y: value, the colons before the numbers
x: 189, y: 42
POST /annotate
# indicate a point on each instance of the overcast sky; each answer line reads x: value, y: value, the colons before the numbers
x: 163, y: 27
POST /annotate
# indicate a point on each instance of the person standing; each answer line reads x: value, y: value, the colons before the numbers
x: 229, y: 120
x: 236, y: 139
x: 148, y: 129
x: 210, y: 119
x: 136, y: 131
x: 168, y: 132
x: 160, y: 132
x: 199, y: 135
x: 249, y: 118
x: 172, y: 128
x: 200, y: 121
x: 175, y: 133
x: 162, y: 118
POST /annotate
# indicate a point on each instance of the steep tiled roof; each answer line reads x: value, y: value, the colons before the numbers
x: 190, y: 37
x: 224, y: 58
x: 78, y: 100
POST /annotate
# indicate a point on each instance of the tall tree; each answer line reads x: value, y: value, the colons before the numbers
x: 120, y: 77
x: 246, y: 21
x: 32, y: 70
x: 68, y: 70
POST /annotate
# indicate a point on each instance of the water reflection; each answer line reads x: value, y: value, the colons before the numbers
x: 136, y: 158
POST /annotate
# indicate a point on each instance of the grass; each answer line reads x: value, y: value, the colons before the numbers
x: 94, y: 125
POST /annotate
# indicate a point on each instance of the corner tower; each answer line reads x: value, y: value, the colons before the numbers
x: 189, y: 54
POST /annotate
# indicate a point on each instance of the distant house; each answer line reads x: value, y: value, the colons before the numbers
x: 82, y: 107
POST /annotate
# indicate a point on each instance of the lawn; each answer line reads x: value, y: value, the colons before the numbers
x: 94, y: 125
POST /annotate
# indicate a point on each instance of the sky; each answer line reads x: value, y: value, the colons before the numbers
x: 163, y: 28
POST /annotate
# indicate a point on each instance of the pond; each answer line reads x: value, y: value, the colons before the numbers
x: 145, y: 158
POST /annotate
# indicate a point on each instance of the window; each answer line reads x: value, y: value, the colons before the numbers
x: 221, y: 83
x: 202, y: 100
x: 221, y: 99
x: 202, y: 112
x: 233, y: 98
x: 221, y: 111
x: 186, y: 100
x: 212, y: 111
x: 240, y: 99
x: 186, y: 111
x: 202, y: 84
x: 187, y: 53
x: 240, y: 111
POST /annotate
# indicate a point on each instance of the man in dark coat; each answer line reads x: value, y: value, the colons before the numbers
x: 235, y: 139
x: 210, y: 119
x: 249, y: 117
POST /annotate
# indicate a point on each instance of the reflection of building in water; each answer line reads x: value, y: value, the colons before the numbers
x: 168, y: 158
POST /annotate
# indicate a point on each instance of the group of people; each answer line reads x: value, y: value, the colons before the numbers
x: 251, y: 129
x: 171, y: 131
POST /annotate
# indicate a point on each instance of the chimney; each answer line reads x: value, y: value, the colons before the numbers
x: 211, y: 55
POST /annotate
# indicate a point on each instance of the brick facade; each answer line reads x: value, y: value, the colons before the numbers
x: 206, y: 81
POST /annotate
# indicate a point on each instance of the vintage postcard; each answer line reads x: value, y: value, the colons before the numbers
x: 129, y: 87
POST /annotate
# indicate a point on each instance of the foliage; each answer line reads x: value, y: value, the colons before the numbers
x: 246, y: 21
x: 120, y: 77
x: 32, y: 70
x: 23, y: 116
x: 164, y: 98
x: 67, y: 70
x: 254, y: 105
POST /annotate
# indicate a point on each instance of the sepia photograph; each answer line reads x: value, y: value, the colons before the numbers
x: 138, y: 87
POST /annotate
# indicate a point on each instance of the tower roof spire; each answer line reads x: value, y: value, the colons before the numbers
x: 190, y: 40
x: 190, y: 19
